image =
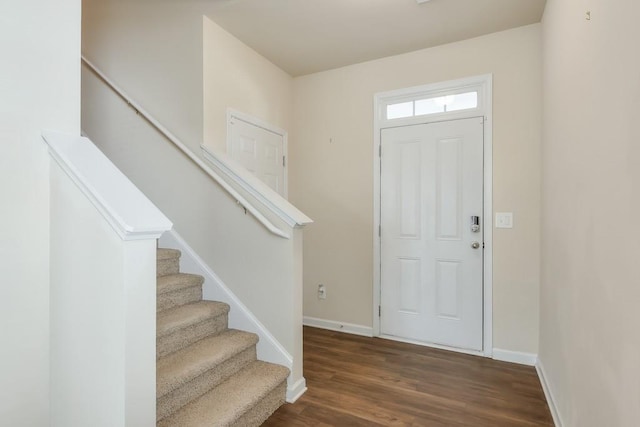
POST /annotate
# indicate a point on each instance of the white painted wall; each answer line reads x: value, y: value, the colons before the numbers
x: 39, y: 89
x: 589, y: 340
x: 102, y: 316
x: 331, y: 174
x: 235, y: 76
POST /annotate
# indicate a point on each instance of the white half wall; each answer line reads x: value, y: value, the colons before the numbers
x: 103, y: 313
x: 39, y: 89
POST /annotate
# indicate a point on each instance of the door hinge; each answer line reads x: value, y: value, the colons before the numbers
x: 284, y: 162
x: 379, y: 311
x: 482, y: 245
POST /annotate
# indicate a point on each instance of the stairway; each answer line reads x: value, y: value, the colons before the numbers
x: 207, y: 374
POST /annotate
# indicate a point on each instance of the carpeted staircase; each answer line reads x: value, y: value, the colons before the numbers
x: 207, y: 374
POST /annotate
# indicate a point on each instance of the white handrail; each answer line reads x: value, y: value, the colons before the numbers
x: 227, y: 167
x: 171, y: 137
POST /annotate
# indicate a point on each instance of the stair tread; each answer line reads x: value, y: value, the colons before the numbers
x: 167, y: 253
x: 184, y: 365
x: 231, y: 399
x: 176, y: 318
x: 177, y: 281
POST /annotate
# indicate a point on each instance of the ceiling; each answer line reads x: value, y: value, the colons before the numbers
x: 307, y: 36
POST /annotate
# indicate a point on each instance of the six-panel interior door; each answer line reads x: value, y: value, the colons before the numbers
x: 431, y: 274
x: 260, y: 151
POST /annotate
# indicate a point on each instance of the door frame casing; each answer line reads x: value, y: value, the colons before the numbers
x: 484, y: 84
x: 254, y: 121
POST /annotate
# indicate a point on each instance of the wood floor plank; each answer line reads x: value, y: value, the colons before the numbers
x: 360, y: 381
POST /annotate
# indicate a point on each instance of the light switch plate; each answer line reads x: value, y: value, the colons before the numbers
x: 504, y: 219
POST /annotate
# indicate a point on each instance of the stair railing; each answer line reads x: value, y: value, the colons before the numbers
x: 240, y: 200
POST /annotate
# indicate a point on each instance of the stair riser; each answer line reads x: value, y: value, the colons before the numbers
x: 186, y: 336
x: 171, y: 402
x: 180, y: 297
x: 263, y: 410
x: 167, y: 266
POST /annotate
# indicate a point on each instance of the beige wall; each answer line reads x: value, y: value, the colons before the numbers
x: 236, y: 76
x: 182, y: 67
x: 333, y: 181
x: 589, y: 340
x: 152, y: 50
x: 39, y: 89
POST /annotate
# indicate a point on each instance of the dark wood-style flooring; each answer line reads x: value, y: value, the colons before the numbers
x: 359, y: 381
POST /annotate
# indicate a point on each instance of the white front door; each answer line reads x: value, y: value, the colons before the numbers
x: 260, y: 151
x: 431, y: 257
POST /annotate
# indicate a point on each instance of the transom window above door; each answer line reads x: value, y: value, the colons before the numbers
x: 432, y: 105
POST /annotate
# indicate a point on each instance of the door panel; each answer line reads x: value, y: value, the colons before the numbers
x: 260, y: 151
x: 431, y: 277
x: 448, y: 188
x: 409, y: 285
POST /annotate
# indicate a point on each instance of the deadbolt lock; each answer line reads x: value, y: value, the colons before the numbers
x: 475, y: 223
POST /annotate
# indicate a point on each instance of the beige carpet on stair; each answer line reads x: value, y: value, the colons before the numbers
x: 207, y: 374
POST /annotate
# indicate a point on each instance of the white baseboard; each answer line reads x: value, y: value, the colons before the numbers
x: 294, y: 391
x: 240, y: 317
x: 519, y: 357
x: 332, y: 325
x: 548, y: 394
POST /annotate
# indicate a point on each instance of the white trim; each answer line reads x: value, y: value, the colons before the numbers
x: 332, y: 325
x: 231, y: 113
x: 127, y: 210
x: 484, y: 84
x: 182, y: 147
x: 487, y: 221
x: 240, y: 317
x: 296, y: 390
x: 518, y: 357
x: 264, y: 194
x: 551, y: 401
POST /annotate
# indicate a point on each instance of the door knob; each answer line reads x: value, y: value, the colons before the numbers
x: 475, y: 245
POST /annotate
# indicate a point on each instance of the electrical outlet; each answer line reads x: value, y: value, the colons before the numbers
x: 322, y: 291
